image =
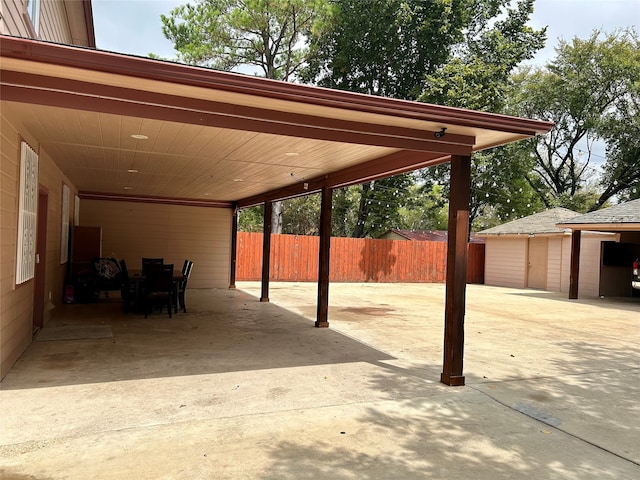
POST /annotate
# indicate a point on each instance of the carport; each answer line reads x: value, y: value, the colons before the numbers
x: 622, y: 219
x: 143, y: 131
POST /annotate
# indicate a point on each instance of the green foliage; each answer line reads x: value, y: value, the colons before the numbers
x: 591, y: 91
x: 478, y: 75
x: 251, y: 219
x: 385, y: 47
x: 301, y: 216
x: 225, y: 34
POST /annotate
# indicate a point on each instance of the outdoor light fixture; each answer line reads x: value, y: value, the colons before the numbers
x: 441, y: 133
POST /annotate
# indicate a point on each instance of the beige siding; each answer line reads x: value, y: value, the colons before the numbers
x: 54, y: 25
x: 590, y: 261
x: 12, y: 21
x: 132, y: 230
x: 17, y: 302
x: 505, y: 262
x: 554, y: 264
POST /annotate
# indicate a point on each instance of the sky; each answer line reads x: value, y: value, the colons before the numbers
x: 134, y: 26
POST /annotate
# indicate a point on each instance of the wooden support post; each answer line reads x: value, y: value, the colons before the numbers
x: 234, y: 247
x: 457, y: 253
x: 575, y: 264
x: 322, y: 318
x: 266, y: 252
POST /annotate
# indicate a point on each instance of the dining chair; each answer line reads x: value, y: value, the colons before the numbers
x: 128, y: 291
x: 182, y: 285
x: 159, y: 288
x: 146, y: 262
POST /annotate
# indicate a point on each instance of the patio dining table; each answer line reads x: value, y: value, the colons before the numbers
x: 137, y: 280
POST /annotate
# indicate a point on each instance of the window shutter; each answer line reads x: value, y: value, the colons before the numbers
x: 27, y: 214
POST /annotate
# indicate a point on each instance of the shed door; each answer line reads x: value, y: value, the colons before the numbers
x: 537, y: 277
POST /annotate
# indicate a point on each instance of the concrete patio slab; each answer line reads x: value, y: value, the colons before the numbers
x: 242, y: 389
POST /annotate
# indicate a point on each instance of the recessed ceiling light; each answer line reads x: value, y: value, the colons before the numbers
x: 138, y: 136
x: 292, y: 154
x: 132, y: 170
x: 128, y: 188
x: 238, y: 180
x: 207, y: 194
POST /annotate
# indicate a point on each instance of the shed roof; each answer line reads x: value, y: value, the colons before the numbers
x: 538, y: 223
x: 430, y: 235
x: 621, y: 217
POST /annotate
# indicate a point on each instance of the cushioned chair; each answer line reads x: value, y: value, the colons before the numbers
x: 159, y: 288
x: 108, y: 275
x: 182, y: 285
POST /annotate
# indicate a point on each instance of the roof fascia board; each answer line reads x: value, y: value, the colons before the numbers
x: 392, y: 164
x: 602, y: 227
x: 38, y: 89
x: 37, y: 51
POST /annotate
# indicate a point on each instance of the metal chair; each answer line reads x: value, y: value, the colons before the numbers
x: 159, y: 288
x: 182, y: 285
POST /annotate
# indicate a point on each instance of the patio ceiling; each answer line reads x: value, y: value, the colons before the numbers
x: 217, y: 138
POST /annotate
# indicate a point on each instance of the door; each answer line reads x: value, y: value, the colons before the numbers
x: 537, y: 267
x: 39, y: 296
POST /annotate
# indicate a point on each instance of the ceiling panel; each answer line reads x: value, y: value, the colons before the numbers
x: 97, y: 152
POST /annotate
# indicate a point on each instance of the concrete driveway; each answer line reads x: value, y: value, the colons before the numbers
x: 238, y: 389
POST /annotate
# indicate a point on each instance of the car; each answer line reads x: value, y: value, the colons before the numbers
x: 635, y: 279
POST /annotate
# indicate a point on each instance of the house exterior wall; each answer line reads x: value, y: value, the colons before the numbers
x: 506, y: 262
x: 54, y: 22
x: 590, y: 262
x: 589, y: 275
x: 555, y: 261
x: 16, y: 315
x: 132, y: 230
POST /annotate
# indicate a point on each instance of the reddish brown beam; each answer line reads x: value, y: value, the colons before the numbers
x: 392, y: 164
x: 575, y: 264
x: 112, y: 63
x: 456, y: 284
x: 190, y: 202
x: 234, y: 248
x: 78, y: 95
x: 266, y: 252
x: 322, y: 318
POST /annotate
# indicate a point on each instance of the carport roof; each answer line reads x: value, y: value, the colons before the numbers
x: 216, y: 138
x: 536, y: 224
x: 621, y: 217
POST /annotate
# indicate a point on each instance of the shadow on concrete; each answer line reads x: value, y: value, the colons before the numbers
x: 224, y: 331
x: 460, y: 436
x: 631, y: 304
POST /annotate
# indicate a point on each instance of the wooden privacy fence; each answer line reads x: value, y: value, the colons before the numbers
x: 294, y: 258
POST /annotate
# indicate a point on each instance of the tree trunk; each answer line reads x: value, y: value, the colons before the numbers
x: 276, y: 217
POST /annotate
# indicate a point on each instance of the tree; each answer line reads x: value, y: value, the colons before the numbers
x: 225, y: 34
x: 591, y: 91
x: 264, y: 34
x: 479, y: 77
x: 385, y: 47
